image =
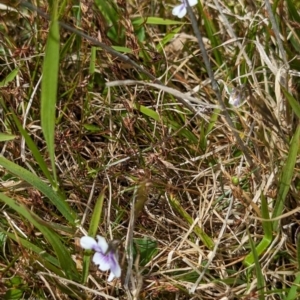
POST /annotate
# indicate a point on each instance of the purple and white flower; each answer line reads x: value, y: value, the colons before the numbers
x: 180, y: 10
x: 106, y: 255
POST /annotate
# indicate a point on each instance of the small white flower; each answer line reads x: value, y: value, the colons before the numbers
x: 180, y: 10
x: 106, y: 255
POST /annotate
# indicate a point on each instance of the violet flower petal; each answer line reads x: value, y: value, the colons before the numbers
x: 102, y: 244
x: 87, y: 242
x: 193, y: 2
x: 114, y: 266
x: 102, y: 260
x: 179, y: 11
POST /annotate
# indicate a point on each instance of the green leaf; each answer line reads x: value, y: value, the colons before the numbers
x: 293, y: 12
x: 259, y: 275
x: 146, y: 249
x: 49, y: 90
x: 293, y: 293
x: 122, y: 49
x: 147, y: 111
x: 92, y: 68
x: 286, y: 177
x: 10, y: 77
x: 181, y: 130
x: 33, y: 148
x: 107, y: 9
x: 212, y: 34
x: 293, y: 102
x: 92, y: 128
x: 168, y: 37
x: 6, y: 137
x: 298, y: 249
x: 268, y: 234
x: 57, y: 200
x: 207, y: 241
x: 62, y: 253
x: 31, y: 247
x: 95, y: 220
x: 92, y: 232
x: 155, y: 21
x: 13, y: 294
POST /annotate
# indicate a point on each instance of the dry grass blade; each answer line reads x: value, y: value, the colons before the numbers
x: 147, y: 149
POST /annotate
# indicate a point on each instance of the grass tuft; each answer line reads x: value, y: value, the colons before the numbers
x: 115, y: 121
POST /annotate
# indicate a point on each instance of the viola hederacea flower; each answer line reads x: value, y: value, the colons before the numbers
x: 106, y: 254
x: 180, y: 10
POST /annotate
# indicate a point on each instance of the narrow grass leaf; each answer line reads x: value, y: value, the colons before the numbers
x: 147, y: 112
x: 294, y: 289
x: 6, y: 137
x: 49, y: 90
x: 31, y: 247
x: 207, y: 241
x: 94, y: 225
x: 259, y: 275
x: 212, y: 35
x: 293, y: 11
x: 122, y: 49
x: 92, y: 68
x: 168, y: 37
x: 267, y: 226
x: 206, y: 129
x: 145, y: 249
x: 67, y: 47
x: 62, y: 253
x: 108, y: 11
x: 298, y: 249
x: 268, y: 234
x: 10, y: 77
x: 155, y: 21
x: 33, y: 148
x: 293, y: 102
x: 96, y: 216
x: 181, y: 130
x: 286, y: 177
x: 57, y: 200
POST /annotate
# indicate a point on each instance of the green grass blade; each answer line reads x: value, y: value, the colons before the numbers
x: 259, y: 275
x: 49, y: 90
x: 6, y: 137
x: 267, y: 226
x: 147, y: 111
x: 268, y: 235
x: 92, y: 232
x: 96, y: 217
x: 207, y: 241
x: 35, y: 181
x: 293, y: 102
x: 168, y: 37
x: 10, y: 77
x: 62, y: 253
x: 155, y: 21
x: 33, y: 148
x: 298, y: 250
x: 212, y: 34
x: 31, y: 247
x: 294, y: 290
x: 92, y: 68
x: 286, y: 177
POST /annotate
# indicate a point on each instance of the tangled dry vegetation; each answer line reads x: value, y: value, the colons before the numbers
x: 172, y: 183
